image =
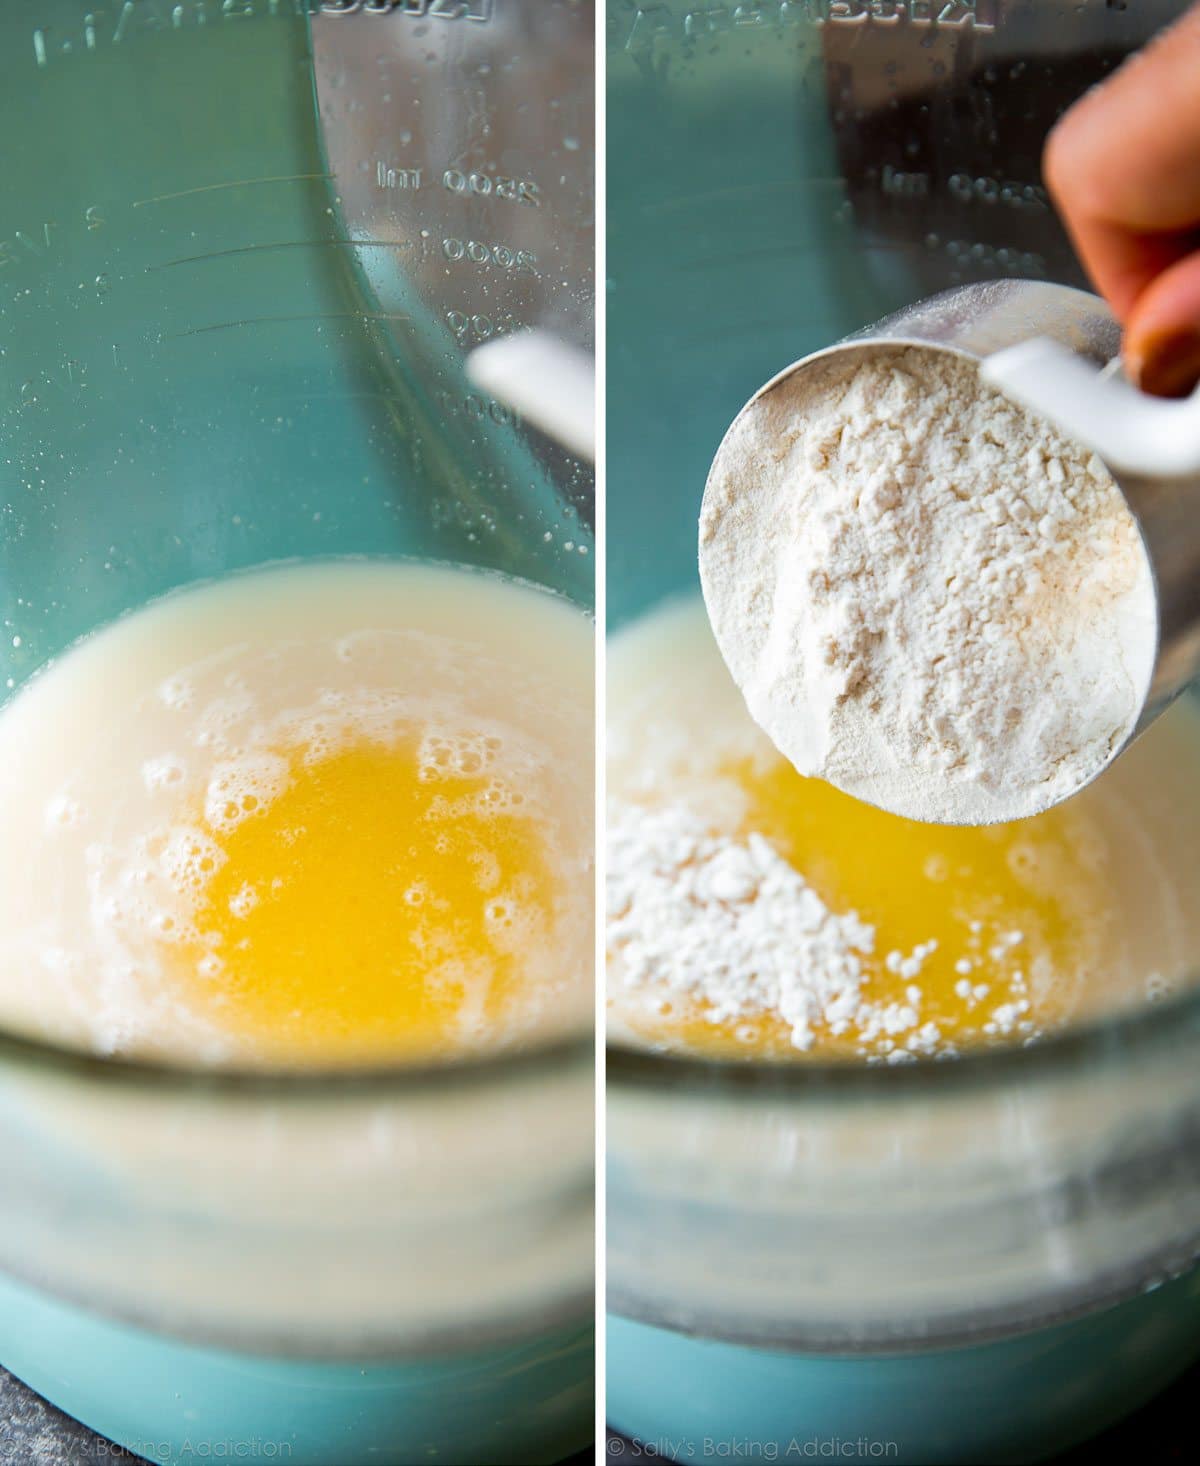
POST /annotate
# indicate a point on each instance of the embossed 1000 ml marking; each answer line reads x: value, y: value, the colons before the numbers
x: 478, y: 408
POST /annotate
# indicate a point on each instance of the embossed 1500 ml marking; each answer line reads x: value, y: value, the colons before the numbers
x: 478, y: 326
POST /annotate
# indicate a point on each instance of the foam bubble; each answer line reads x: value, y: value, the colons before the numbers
x: 225, y: 712
x: 511, y: 925
x: 167, y: 771
x: 64, y: 813
x: 1024, y: 861
x: 487, y: 869
x: 176, y: 693
x: 450, y: 755
x: 499, y: 913
x: 189, y: 860
x: 241, y: 787
x: 498, y: 797
x: 243, y: 901
x: 218, y: 725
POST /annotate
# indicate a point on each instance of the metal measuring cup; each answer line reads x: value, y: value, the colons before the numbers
x: 1056, y: 349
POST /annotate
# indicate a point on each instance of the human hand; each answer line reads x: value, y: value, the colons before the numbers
x: 1123, y: 168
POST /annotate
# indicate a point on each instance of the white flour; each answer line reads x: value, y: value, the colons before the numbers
x: 735, y: 930
x: 730, y: 925
x: 927, y: 596
x: 706, y: 919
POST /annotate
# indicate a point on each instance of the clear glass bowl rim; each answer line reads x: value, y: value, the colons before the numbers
x: 559, y: 1055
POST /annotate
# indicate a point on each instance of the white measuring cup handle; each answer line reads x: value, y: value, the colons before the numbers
x: 1133, y: 433
x: 546, y: 380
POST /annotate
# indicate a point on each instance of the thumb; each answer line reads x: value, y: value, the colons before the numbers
x: 1162, y: 332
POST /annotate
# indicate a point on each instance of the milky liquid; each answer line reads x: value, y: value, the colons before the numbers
x: 308, y: 815
x: 1020, y: 928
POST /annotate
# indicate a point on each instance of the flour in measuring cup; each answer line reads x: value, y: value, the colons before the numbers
x: 927, y: 596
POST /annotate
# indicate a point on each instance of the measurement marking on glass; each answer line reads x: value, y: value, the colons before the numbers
x: 279, y: 320
x: 245, y: 249
x: 183, y: 193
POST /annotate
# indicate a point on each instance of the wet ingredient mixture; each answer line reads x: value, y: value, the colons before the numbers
x: 754, y: 912
x: 312, y: 815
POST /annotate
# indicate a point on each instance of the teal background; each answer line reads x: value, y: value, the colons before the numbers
x: 194, y: 376
x: 731, y: 253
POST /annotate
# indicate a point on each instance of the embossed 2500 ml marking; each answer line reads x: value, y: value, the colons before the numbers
x: 477, y: 10
x: 658, y: 19
x: 517, y: 190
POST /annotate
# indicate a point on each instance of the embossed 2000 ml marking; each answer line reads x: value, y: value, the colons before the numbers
x: 520, y: 261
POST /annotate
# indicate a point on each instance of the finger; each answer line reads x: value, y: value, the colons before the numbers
x: 1129, y: 150
x: 1162, y: 336
x: 1123, y: 265
x: 1123, y: 166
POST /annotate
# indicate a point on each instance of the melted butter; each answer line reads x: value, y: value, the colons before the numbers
x: 375, y: 907
x: 971, y: 891
x: 1086, y: 910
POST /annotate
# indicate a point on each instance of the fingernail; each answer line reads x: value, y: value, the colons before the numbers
x: 1166, y: 365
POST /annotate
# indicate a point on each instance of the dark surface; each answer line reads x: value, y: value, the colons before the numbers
x: 1161, y: 1432
x: 33, y: 1433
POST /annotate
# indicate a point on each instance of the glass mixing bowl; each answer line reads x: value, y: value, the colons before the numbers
x: 230, y: 336
x: 979, y: 1260
x: 362, y: 1268
x: 830, y: 1252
